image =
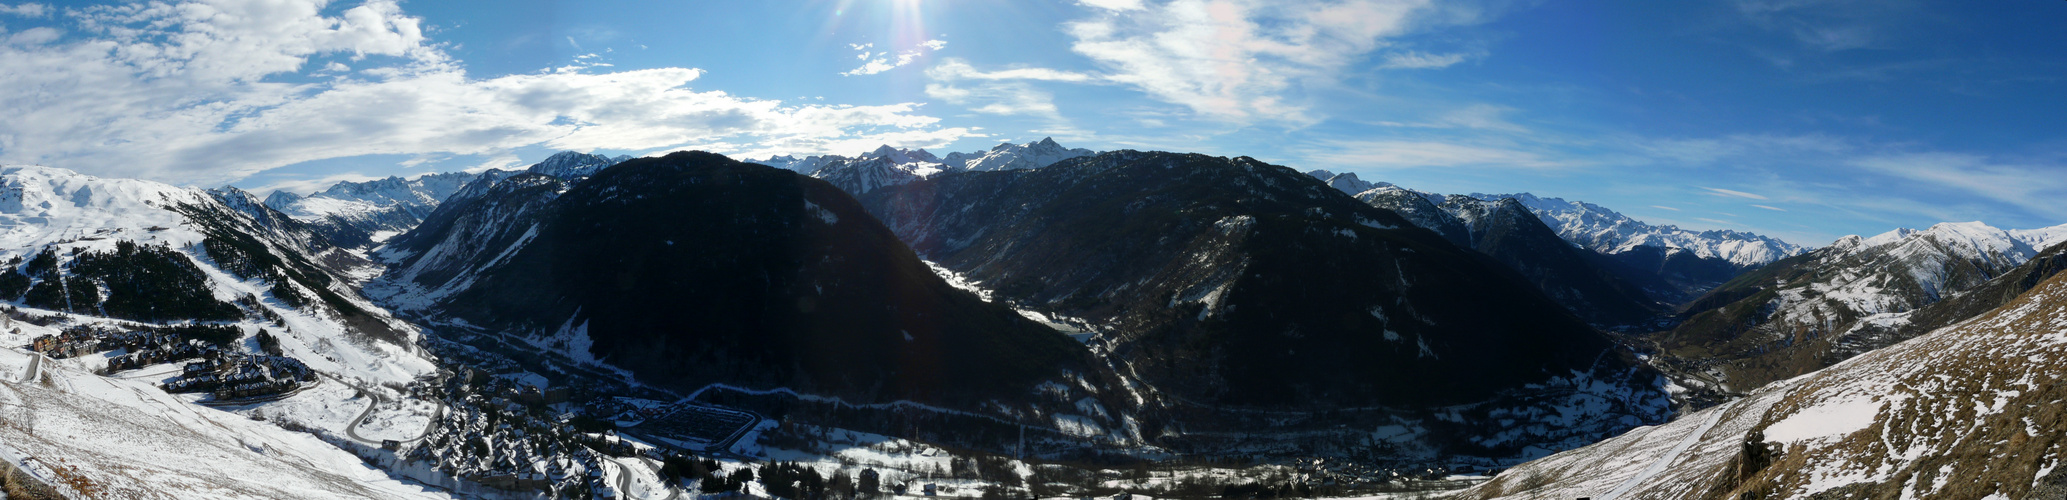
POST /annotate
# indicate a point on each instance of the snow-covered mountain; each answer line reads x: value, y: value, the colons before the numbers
x: 1793, y: 316
x: 1673, y: 264
x: 1968, y: 411
x: 1605, y: 231
x: 572, y: 165
x: 1008, y: 156
x: 361, y: 214
x: 215, y: 263
x: 90, y: 261
x: 889, y: 166
x: 1347, y: 181
x: 1508, y: 232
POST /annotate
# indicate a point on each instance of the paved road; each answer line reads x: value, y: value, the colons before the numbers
x: 352, y: 429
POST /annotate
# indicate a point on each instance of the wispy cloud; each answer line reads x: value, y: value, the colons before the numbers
x: 163, y: 91
x: 878, y: 62
x: 1243, y: 60
x: 1421, y: 60
x: 2037, y: 188
x: 1663, y: 207
x: 1773, y: 208
x: 1424, y: 153
x: 1732, y: 193
x: 1829, y: 25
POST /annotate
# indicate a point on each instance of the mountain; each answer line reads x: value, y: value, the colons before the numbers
x: 1669, y: 263
x: 889, y: 166
x: 360, y: 215
x: 692, y: 269
x: 1347, y: 181
x: 1967, y: 411
x: 1800, y: 314
x: 571, y: 165
x: 863, y: 175
x: 1691, y: 261
x: 1008, y: 156
x: 1508, y: 232
x: 1227, y: 286
x: 127, y: 253
x: 1603, y: 230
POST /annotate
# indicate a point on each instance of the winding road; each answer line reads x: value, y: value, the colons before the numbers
x: 352, y: 429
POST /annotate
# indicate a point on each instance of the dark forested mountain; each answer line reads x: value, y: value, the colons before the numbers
x: 1808, y: 312
x: 1234, y: 283
x: 692, y: 269
x: 1506, y: 231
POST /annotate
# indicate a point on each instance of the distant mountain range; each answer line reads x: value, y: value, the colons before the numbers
x: 363, y: 214
x: 1673, y: 264
x: 888, y: 166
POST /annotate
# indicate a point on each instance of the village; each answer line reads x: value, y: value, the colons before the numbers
x: 223, y: 373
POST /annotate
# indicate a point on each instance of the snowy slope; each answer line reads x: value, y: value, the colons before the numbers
x: 69, y: 214
x: 1969, y: 411
x: 97, y: 437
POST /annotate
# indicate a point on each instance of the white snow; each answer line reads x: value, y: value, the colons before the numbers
x: 1829, y: 419
x: 134, y: 441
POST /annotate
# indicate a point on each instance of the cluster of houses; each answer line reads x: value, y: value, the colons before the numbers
x: 140, y: 348
x: 150, y: 348
x: 67, y: 344
x: 238, y: 375
x: 486, y: 443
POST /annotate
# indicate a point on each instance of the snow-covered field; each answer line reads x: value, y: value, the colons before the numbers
x: 400, y: 420
x: 98, y: 437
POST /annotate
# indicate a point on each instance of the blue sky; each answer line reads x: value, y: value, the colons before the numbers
x: 1802, y: 119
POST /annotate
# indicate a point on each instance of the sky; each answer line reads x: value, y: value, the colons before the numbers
x: 1801, y: 119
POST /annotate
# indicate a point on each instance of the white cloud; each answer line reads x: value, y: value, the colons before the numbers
x: 1663, y: 207
x: 1773, y: 208
x: 1243, y: 60
x: 957, y: 69
x: 1421, y: 60
x: 1112, y: 4
x: 1734, y: 194
x: 878, y: 62
x: 26, y: 10
x: 187, y: 93
x: 1001, y: 92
